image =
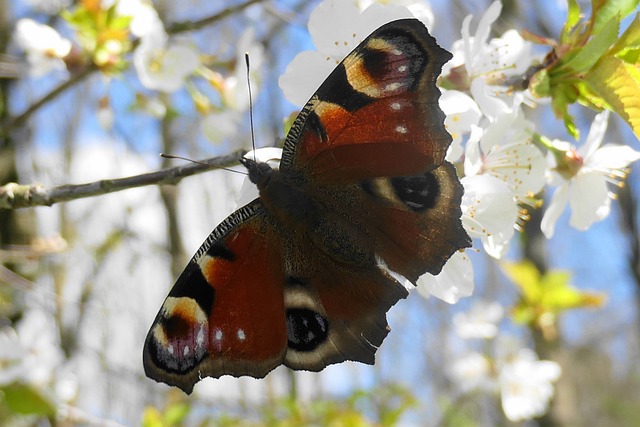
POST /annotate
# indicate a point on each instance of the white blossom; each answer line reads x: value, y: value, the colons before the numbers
x: 582, y: 175
x: 161, y: 66
x: 472, y: 372
x: 489, y: 212
x: 526, y: 385
x: 481, y: 321
x: 44, y: 47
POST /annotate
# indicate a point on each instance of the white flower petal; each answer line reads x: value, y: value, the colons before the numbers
x: 611, y: 157
x: 379, y: 14
x: 304, y: 75
x: 43, y: 45
x: 589, y: 200
x: 526, y: 385
x: 454, y: 281
x: 596, y: 135
x: 488, y: 208
x: 333, y: 28
x: 486, y: 97
x: 554, y: 210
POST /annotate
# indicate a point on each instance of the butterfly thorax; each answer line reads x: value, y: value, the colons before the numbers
x: 281, y: 194
x: 287, y: 199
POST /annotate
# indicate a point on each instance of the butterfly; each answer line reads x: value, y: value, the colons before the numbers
x: 304, y: 275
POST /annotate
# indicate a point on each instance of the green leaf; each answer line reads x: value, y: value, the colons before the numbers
x: 544, y: 296
x: 573, y: 16
x: 26, y: 400
x: 151, y: 417
x: 525, y: 276
x: 594, y: 49
x: 605, y: 10
x: 175, y: 414
x: 628, y: 45
x: 618, y: 83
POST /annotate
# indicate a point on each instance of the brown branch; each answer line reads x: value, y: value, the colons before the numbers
x: 20, y: 119
x: 14, y: 196
x: 180, y: 27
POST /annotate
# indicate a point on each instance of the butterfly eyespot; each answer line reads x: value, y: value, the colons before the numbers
x: 306, y: 329
x: 418, y: 193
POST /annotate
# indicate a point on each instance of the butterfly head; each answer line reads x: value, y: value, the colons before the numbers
x: 259, y: 172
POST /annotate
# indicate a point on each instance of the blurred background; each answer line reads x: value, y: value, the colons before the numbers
x: 81, y: 281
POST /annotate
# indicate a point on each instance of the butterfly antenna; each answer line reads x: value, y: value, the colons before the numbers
x: 171, y: 156
x: 253, y: 139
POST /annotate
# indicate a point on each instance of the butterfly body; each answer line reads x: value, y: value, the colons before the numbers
x: 304, y: 275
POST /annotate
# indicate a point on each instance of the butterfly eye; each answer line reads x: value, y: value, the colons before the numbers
x: 306, y: 329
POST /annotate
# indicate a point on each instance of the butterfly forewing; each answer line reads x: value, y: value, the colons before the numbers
x: 377, y: 113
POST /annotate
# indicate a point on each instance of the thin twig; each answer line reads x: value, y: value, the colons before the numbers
x: 14, y: 196
x: 180, y: 27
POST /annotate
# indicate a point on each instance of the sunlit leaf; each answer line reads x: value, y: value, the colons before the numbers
x: 545, y: 296
x: 175, y: 414
x: 618, y: 83
x: 151, y: 417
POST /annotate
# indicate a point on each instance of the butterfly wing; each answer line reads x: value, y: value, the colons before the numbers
x: 377, y: 113
x: 225, y: 314
x: 238, y: 309
x: 373, y: 137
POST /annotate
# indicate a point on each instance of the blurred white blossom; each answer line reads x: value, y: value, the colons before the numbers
x: 144, y: 17
x: 45, y: 48
x: 481, y: 321
x: 472, y: 372
x: 162, y: 66
x: 526, y: 385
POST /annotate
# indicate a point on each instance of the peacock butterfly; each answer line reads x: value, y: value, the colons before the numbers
x: 304, y: 275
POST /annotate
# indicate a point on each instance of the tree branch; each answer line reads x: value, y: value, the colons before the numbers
x: 180, y: 27
x: 14, y: 196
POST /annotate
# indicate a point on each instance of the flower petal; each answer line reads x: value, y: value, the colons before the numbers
x: 596, y: 135
x: 304, y: 75
x: 589, y: 200
x: 554, y: 210
x: 454, y: 281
